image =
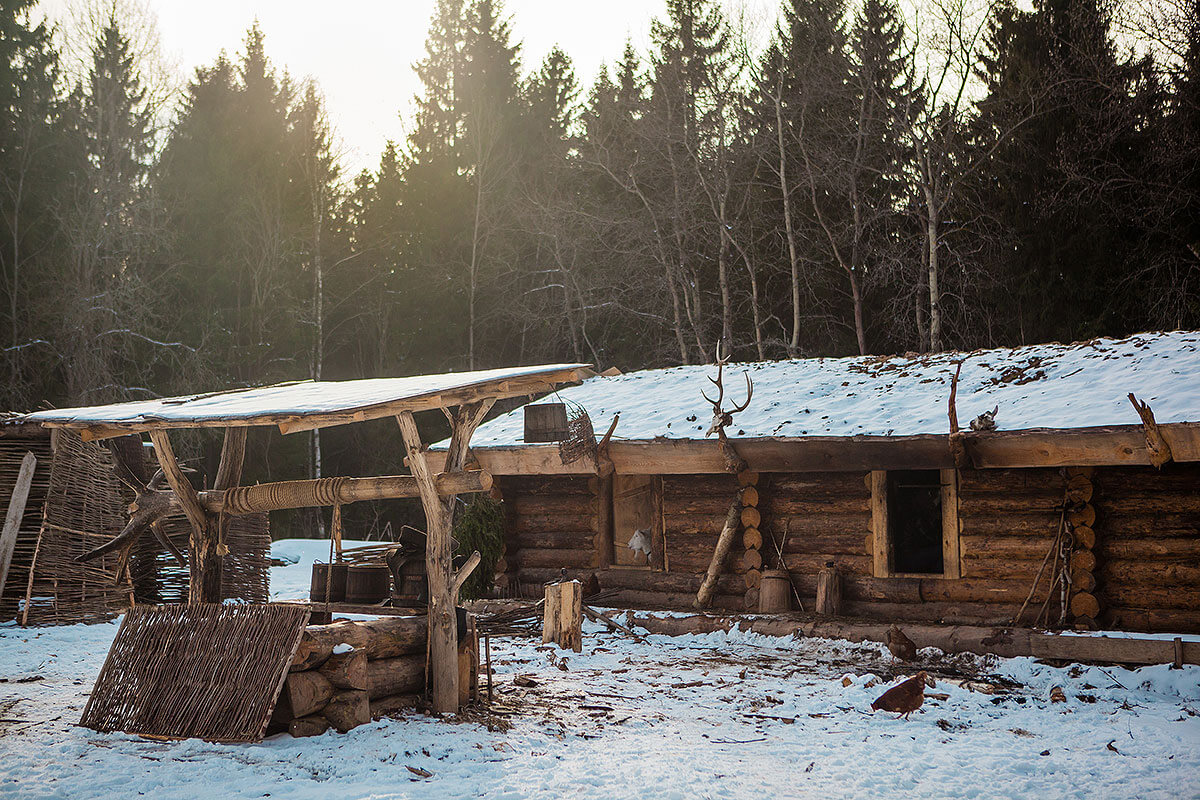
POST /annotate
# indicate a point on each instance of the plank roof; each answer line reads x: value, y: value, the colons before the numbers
x: 304, y: 405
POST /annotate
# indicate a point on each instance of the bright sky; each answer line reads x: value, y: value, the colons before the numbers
x: 361, y: 51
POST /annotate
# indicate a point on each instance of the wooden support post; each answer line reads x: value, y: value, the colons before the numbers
x: 439, y: 518
x: 204, y: 564
x: 14, y: 514
x: 563, y: 620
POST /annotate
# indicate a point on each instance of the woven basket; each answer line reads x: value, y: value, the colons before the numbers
x: 580, y: 441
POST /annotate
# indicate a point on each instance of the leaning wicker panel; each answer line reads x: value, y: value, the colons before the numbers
x: 83, y: 510
x: 12, y: 450
x: 209, y: 671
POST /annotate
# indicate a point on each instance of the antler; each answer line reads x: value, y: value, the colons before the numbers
x: 716, y: 404
x: 749, y: 394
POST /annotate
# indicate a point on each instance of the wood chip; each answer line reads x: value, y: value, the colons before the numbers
x: 424, y: 773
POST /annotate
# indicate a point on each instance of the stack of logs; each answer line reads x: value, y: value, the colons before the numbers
x: 347, y: 673
x: 1084, y: 605
x: 752, y: 537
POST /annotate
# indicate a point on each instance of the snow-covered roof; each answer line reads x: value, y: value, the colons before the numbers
x: 269, y: 405
x: 1041, y: 386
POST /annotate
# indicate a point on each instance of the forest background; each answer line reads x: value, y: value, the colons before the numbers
x: 868, y: 178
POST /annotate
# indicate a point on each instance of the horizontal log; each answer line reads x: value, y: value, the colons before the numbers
x: 752, y: 559
x: 1153, y: 549
x: 1010, y: 480
x: 528, y: 505
x: 1008, y: 643
x: 281, y: 495
x: 559, y: 557
x: 998, y: 547
x: 634, y: 598
x: 1152, y: 619
x: 1083, y: 559
x: 747, y: 478
x: 568, y: 540
x: 1085, y: 604
x: 943, y: 613
x: 393, y: 676
x: 307, y: 692
x: 1009, y: 524
x: 552, y: 523
x: 751, y: 518
x: 1148, y: 503
x: 313, y: 725
x: 1140, y: 595
x: 347, y: 710
x: 750, y: 496
x: 849, y: 543
x: 816, y: 484
x: 1082, y: 580
x: 752, y: 539
x: 818, y: 525
x: 545, y: 485
x: 385, y: 637
x: 683, y: 486
x: 1003, y: 569
x: 346, y: 670
x: 706, y: 505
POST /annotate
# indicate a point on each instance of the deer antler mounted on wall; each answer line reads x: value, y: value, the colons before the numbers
x: 722, y: 419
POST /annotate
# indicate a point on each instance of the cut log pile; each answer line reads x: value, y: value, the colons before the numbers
x: 348, y: 672
x: 1084, y: 605
x: 752, y: 537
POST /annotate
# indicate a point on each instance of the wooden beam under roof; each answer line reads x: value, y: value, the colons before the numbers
x: 498, y: 389
x: 1104, y: 446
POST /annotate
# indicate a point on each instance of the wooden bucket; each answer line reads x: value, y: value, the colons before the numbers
x: 774, y: 592
x: 335, y: 574
x: 368, y: 583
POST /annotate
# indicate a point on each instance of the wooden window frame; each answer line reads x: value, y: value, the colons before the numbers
x: 881, y: 533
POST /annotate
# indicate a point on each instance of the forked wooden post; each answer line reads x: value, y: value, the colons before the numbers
x: 563, y: 620
x: 205, y: 554
x: 439, y: 521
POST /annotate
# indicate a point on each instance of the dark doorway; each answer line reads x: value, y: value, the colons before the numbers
x: 915, y: 520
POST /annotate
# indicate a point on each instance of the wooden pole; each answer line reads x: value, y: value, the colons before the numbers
x: 16, y: 511
x: 204, y: 566
x: 724, y: 543
x: 439, y: 518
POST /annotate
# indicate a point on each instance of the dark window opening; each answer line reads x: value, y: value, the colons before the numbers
x: 915, y: 520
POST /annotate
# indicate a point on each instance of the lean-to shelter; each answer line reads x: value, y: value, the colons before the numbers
x: 307, y: 405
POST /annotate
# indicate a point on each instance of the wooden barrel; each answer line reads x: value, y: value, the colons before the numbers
x: 774, y: 592
x: 335, y: 574
x: 368, y: 583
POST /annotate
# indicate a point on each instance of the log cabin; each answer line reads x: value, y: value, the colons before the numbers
x: 1050, y: 485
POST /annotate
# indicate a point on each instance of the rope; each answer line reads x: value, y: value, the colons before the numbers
x: 285, y: 494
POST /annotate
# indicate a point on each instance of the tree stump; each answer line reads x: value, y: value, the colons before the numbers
x: 829, y: 592
x: 563, y: 620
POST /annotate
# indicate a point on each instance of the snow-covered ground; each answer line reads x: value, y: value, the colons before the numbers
x: 713, y: 716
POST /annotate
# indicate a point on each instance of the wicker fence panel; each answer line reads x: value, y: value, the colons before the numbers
x: 159, y: 579
x: 209, y: 671
x: 84, y: 508
x: 12, y: 450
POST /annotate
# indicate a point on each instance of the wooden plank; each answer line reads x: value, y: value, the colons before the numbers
x: 14, y: 515
x: 603, y: 537
x: 951, y: 563
x: 881, y: 565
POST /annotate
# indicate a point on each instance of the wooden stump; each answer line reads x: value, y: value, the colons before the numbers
x: 829, y: 592
x: 563, y: 620
x: 313, y: 725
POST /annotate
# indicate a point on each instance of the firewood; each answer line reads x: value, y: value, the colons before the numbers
x: 1084, y: 604
x: 752, y: 539
x: 749, y: 496
x: 347, y: 710
x: 307, y: 692
x: 386, y: 706
x: 1084, y: 560
x: 388, y: 676
x: 747, y: 478
x: 752, y: 559
x: 313, y: 725
x: 750, y: 517
x: 346, y: 670
x: 386, y: 637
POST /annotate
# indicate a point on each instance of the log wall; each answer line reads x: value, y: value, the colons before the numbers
x: 1147, y: 531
